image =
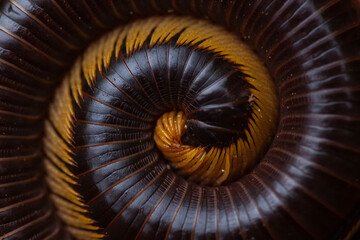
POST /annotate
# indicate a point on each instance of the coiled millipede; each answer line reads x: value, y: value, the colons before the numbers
x: 179, y: 119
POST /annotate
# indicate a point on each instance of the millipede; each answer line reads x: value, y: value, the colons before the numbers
x: 180, y: 119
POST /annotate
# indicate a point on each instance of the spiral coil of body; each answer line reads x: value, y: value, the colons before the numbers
x: 306, y: 186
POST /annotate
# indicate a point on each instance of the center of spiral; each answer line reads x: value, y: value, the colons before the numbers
x: 208, y: 167
x: 203, y: 165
